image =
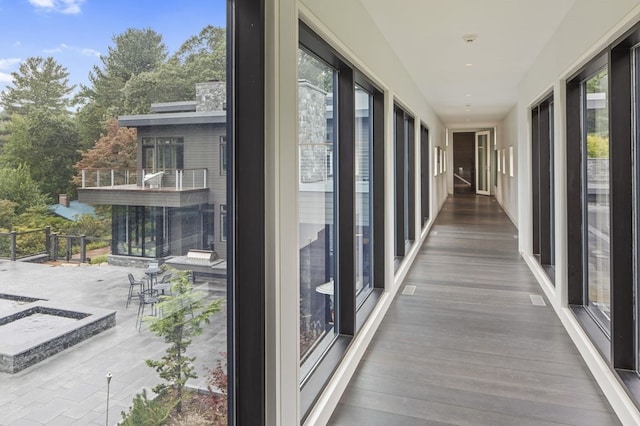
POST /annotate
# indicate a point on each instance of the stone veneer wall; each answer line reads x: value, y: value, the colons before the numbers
x: 211, y: 96
x: 312, y: 132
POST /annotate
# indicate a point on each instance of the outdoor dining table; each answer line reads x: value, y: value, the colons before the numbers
x: 152, y: 273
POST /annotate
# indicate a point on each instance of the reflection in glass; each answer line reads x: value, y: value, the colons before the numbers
x: 597, y: 195
x: 363, y: 195
x: 482, y: 147
x: 137, y: 102
x: 316, y: 209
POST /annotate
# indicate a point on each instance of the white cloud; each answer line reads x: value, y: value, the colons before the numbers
x: 42, y: 3
x: 5, y: 78
x: 69, y: 7
x: 90, y: 52
x: 6, y: 63
x: 65, y: 47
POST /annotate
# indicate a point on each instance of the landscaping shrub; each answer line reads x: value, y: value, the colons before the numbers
x: 145, y: 411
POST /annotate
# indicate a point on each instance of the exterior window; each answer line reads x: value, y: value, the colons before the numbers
x: 340, y: 208
x: 363, y: 192
x: 424, y: 173
x: 404, y: 176
x: 317, y: 206
x: 143, y: 113
x: 596, y: 197
x: 163, y: 153
x: 542, y: 177
x: 223, y: 155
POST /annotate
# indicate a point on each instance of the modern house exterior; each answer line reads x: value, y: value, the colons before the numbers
x: 175, y: 199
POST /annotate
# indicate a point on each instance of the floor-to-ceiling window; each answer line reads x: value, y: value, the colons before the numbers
x: 542, y: 181
x: 340, y: 207
x: 363, y: 196
x: 424, y: 174
x: 595, y: 148
x: 317, y: 140
x: 404, y: 181
x: 110, y: 59
x: 603, y: 181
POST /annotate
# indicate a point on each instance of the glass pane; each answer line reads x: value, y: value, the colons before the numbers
x: 481, y: 153
x: 128, y: 86
x: 316, y: 209
x: 363, y: 196
x: 596, y: 121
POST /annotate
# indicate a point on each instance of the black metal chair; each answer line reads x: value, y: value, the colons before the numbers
x: 145, y: 299
x: 132, y: 284
x: 164, y: 285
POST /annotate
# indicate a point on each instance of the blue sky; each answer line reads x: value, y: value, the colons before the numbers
x: 76, y: 32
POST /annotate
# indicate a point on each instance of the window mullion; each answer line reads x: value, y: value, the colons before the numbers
x: 345, y: 196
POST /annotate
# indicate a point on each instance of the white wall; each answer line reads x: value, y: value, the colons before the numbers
x: 507, y: 188
x: 589, y: 27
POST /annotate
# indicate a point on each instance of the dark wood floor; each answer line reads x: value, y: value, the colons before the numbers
x: 469, y: 347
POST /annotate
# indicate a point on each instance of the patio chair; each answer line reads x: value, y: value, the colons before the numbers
x: 164, y: 285
x: 132, y: 284
x: 145, y: 299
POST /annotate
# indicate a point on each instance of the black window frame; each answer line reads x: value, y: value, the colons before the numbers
x: 246, y: 304
x: 542, y: 185
x: 350, y: 314
x: 425, y: 174
x: 404, y: 181
x: 223, y: 155
x: 620, y: 347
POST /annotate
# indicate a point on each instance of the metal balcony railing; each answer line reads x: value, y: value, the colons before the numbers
x: 143, y: 179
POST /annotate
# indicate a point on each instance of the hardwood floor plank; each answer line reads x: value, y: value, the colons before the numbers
x: 347, y: 415
x: 469, y: 347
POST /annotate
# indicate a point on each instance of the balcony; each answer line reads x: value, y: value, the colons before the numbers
x: 161, y: 188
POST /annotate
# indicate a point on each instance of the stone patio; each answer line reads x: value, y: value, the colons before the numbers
x: 70, y: 388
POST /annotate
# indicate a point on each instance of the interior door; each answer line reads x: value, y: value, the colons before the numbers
x: 483, y: 170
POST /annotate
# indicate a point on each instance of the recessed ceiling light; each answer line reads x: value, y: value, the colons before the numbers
x: 468, y: 65
x: 468, y: 95
x: 469, y: 38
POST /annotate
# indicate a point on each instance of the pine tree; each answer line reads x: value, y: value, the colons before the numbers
x: 39, y: 83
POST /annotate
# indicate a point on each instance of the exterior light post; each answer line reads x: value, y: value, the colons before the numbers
x: 109, y: 375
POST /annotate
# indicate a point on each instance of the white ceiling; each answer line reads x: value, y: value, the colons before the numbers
x: 427, y: 37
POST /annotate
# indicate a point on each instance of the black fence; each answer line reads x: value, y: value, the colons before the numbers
x: 42, y: 244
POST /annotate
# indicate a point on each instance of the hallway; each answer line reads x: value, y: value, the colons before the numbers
x: 469, y: 347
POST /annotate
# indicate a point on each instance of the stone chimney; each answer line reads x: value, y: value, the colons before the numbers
x: 211, y: 96
x: 64, y: 200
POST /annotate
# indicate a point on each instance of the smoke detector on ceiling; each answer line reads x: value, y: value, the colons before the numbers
x: 469, y: 38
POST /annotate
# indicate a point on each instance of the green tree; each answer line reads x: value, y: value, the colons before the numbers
x: 169, y: 83
x: 114, y: 150
x: 204, y: 56
x: 133, y: 52
x: 200, y: 58
x: 4, y: 132
x: 314, y: 71
x: 47, y: 144
x: 17, y: 186
x: 597, y: 146
x: 183, y: 315
x: 7, y: 214
x: 39, y: 83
